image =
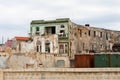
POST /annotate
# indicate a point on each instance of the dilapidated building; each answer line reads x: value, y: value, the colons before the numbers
x: 63, y: 37
x: 51, y: 36
x: 91, y: 39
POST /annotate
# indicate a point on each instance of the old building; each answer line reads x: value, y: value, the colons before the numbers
x: 65, y: 38
x: 18, y: 43
x: 51, y: 36
x: 86, y: 39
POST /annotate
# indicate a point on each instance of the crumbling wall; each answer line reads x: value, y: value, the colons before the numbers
x: 3, y: 59
x: 35, y: 60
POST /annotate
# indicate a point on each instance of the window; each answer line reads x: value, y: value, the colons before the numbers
x: 89, y: 32
x: 62, y: 26
x: 47, y: 46
x: 61, y: 48
x: 94, y: 33
x: 106, y: 36
x: 100, y: 34
x: 62, y: 31
x: 37, y: 28
x: 80, y: 33
x: 50, y: 30
x: 66, y: 48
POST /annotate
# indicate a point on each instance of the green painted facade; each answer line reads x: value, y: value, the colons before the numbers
x: 59, y: 24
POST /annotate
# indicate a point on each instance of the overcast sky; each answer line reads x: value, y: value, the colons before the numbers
x: 16, y: 15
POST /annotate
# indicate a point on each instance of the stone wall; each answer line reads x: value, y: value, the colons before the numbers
x: 62, y: 74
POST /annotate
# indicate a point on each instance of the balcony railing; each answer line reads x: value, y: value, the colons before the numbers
x: 63, y: 37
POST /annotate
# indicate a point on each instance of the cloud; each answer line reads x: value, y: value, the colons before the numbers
x: 16, y: 15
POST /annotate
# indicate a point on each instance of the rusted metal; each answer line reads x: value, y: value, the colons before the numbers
x: 84, y: 61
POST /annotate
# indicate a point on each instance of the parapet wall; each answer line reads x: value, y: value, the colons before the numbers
x: 61, y: 74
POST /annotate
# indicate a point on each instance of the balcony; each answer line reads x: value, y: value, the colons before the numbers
x: 63, y: 37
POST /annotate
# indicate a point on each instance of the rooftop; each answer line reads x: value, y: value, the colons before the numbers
x: 50, y: 21
x: 19, y: 38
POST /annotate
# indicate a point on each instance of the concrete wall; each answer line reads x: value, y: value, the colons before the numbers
x: 36, y: 60
x: 62, y: 74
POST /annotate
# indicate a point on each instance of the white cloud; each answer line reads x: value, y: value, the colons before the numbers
x: 17, y: 14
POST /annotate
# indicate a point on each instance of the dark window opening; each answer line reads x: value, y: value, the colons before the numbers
x: 89, y: 32
x: 106, y: 36
x: 94, y: 33
x: 47, y: 47
x: 80, y: 33
x: 37, y: 28
x: 50, y: 30
x: 62, y: 26
x: 62, y: 31
x: 38, y: 48
x: 66, y: 48
x: 100, y: 34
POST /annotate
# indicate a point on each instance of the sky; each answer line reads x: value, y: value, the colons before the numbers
x: 16, y: 15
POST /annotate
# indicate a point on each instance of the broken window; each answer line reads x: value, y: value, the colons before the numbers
x: 47, y: 46
x: 63, y: 48
x: 37, y: 31
x: 62, y: 31
x: 37, y: 28
x: 50, y: 30
x: 62, y: 26
x: 38, y: 46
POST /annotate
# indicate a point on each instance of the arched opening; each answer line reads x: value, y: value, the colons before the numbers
x: 38, y: 46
